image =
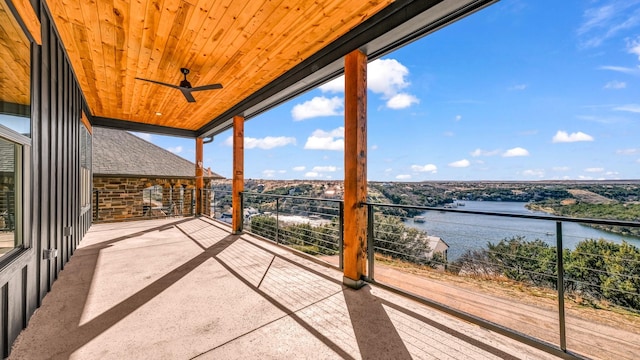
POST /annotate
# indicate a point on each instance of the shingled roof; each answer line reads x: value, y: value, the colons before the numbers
x: 117, y: 152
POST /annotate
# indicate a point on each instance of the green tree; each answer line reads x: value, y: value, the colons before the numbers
x: 528, y: 261
x: 585, y: 269
x: 394, y: 239
x: 622, y: 285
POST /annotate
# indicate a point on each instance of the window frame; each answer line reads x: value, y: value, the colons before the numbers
x: 22, y: 198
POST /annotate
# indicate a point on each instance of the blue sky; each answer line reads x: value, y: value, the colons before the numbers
x: 522, y: 90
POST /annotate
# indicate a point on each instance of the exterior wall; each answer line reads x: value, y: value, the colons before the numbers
x: 52, y: 215
x: 123, y: 198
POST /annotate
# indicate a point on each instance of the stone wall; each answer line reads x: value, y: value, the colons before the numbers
x: 129, y: 198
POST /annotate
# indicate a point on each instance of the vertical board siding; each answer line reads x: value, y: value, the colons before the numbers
x: 54, y: 170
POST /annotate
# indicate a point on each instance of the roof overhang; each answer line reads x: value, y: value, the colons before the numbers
x: 116, y: 100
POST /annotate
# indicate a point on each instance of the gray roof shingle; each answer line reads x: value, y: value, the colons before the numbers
x: 117, y: 152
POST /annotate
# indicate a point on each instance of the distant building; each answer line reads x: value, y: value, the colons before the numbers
x: 437, y: 246
x: 133, y: 178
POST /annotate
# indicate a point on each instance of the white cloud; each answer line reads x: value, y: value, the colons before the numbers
x: 480, y: 152
x: 622, y: 69
x: 448, y: 133
x: 633, y: 46
x: 311, y: 174
x: 518, y: 87
x: 175, y: 149
x: 265, y: 143
x: 144, y: 136
x: 605, y: 21
x: 299, y: 168
x: 458, y: 117
x: 634, y: 108
x: 374, y: 147
x: 425, y: 168
x: 534, y: 173
x: 268, y: 173
x: 594, y: 170
x: 323, y: 140
x: 324, y: 169
x: 560, y: 168
x: 402, y: 101
x: 564, y: 137
x: 318, y: 106
x: 460, y: 163
x: 282, y: 171
x: 615, y: 85
x: 516, y: 151
x: 628, y: 151
x: 388, y: 170
x: 334, y: 86
x: 403, y: 177
x: 386, y: 77
x: 528, y: 132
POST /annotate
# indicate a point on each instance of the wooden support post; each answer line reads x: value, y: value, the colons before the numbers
x: 199, y: 175
x: 237, y: 186
x: 355, y: 168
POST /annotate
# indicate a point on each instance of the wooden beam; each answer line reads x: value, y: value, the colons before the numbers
x: 355, y: 168
x: 199, y: 174
x: 86, y: 122
x: 29, y: 19
x: 237, y: 186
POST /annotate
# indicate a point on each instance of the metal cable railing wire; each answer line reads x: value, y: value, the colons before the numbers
x: 310, y: 225
x: 534, y: 262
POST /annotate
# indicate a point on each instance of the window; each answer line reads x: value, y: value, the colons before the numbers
x: 85, y: 168
x: 15, y: 129
x: 10, y: 195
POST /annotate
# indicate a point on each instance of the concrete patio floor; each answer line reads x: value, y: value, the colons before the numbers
x: 185, y: 289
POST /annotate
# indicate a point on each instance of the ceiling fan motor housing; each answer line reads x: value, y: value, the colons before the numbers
x: 184, y: 83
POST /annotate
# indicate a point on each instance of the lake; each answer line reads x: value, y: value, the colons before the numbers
x: 463, y: 232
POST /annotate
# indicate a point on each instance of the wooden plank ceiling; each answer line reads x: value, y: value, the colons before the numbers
x: 243, y: 45
x: 14, y: 60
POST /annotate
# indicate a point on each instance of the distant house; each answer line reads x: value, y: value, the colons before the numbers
x: 133, y: 178
x: 437, y: 246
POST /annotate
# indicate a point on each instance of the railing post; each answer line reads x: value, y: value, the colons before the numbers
x: 213, y: 199
x: 341, y: 235
x: 97, y: 204
x: 370, y: 248
x: 193, y: 202
x: 561, y: 317
x: 241, y: 220
x: 277, y: 227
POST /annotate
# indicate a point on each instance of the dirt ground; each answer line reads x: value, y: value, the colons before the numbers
x: 590, y: 197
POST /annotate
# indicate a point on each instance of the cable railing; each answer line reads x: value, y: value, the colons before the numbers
x: 150, y: 203
x: 221, y: 205
x: 504, y: 271
x: 310, y: 225
x: 501, y: 270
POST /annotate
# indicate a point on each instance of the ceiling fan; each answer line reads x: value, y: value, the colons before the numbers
x: 185, y: 86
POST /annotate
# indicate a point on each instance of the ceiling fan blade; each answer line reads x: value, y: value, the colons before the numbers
x: 187, y: 94
x: 207, y: 87
x: 159, y: 83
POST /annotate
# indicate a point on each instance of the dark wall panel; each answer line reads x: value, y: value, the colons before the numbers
x: 55, y: 220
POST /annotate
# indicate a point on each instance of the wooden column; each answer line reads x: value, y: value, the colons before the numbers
x: 355, y: 168
x: 199, y: 175
x: 237, y: 186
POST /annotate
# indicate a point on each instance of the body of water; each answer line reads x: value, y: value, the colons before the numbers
x: 464, y: 232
